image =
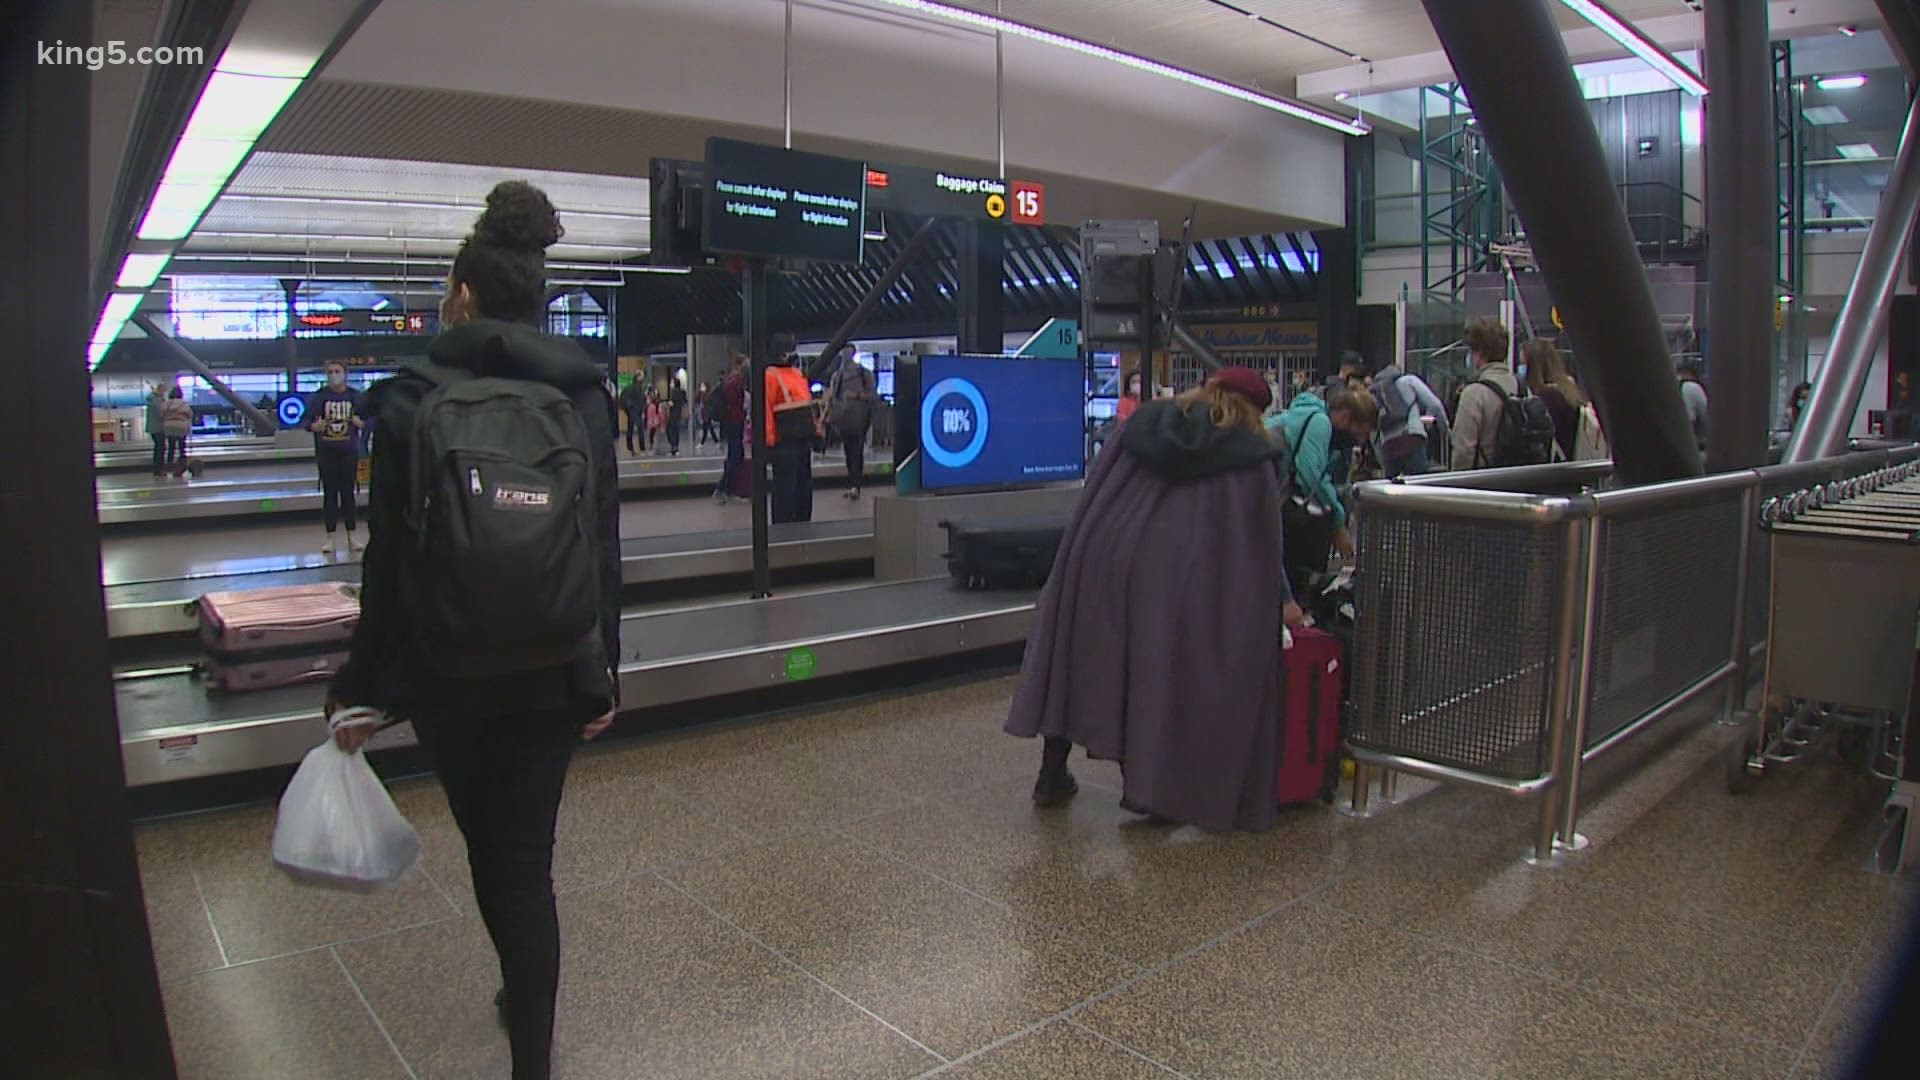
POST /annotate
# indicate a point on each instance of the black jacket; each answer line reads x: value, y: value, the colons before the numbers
x: 383, y: 671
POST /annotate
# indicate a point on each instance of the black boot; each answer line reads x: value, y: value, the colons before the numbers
x: 1056, y: 785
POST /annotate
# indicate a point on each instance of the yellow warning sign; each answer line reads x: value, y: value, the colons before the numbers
x: 996, y: 206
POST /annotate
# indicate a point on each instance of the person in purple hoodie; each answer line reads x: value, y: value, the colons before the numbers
x: 336, y: 414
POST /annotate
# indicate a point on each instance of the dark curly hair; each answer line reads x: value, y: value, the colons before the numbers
x: 504, y: 260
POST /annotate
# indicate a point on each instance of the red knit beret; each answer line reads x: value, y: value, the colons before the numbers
x: 1247, y: 383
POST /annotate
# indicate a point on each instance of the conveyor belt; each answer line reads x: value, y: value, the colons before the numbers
x: 172, y: 729
x: 224, y: 452
x: 213, y: 499
x: 147, y: 608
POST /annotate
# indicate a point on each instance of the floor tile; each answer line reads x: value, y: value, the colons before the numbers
x: 1857, y: 1002
x: 296, y: 1016
x: 183, y: 940
x: 1314, y: 992
x: 259, y: 912
x: 1061, y: 1051
x: 952, y: 970
x: 779, y: 790
x: 651, y: 985
x: 1105, y: 876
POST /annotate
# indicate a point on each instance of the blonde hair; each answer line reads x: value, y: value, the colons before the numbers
x: 1228, y: 409
x: 1357, y: 403
x: 1547, y: 370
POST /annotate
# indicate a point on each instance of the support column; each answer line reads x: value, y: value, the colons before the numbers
x: 1862, y: 322
x: 1542, y: 138
x: 82, y: 997
x: 1740, y: 223
x: 753, y: 326
x: 982, y: 299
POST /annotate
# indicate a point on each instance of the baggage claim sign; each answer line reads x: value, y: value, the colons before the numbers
x: 910, y: 189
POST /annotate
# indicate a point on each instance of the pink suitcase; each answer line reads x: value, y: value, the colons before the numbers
x: 276, y: 637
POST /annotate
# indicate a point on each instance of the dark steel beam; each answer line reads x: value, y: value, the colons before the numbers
x: 261, y: 421
x: 1862, y: 322
x: 1740, y: 219
x: 1542, y: 137
x: 1903, y: 33
x: 824, y: 364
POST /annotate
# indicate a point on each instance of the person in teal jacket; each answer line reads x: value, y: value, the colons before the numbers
x: 1315, y: 515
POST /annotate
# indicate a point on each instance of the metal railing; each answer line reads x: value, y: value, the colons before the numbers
x: 1514, y: 624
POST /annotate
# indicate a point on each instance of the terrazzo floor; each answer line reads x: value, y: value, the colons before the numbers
x: 867, y: 892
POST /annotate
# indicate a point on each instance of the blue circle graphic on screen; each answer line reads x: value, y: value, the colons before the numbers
x: 953, y: 423
x: 291, y: 410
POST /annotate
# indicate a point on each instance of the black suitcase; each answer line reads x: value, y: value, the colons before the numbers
x: 1009, y: 553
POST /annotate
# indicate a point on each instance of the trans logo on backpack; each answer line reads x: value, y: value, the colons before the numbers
x: 954, y: 422
x: 525, y: 499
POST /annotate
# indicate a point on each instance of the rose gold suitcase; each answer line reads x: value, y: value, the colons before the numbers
x: 264, y: 638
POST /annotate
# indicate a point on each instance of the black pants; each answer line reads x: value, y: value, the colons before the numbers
x: 503, y: 778
x: 1307, y: 546
x: 792, y: 496
x: 855, y: 444
x: 674, y: 423
x: 636, y: 429
x: 175, y: 453
x: 736, y: 460
x: 159, y: 453
x: 339, y: 486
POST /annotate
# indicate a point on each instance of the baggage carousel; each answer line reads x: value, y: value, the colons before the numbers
x: 173, y: 729
x: 137, y: 609
x: 254, y: 492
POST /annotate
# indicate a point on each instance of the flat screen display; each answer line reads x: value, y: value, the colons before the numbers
x: 762, y: 200
x: 1000, y: 421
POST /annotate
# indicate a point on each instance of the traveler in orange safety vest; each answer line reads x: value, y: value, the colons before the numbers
x: 792, y: 425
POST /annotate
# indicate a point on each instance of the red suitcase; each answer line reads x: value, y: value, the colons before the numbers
x: 276, y: 637
x: 1312, y: 694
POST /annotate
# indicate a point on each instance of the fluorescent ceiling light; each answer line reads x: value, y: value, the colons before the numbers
x: 96, y: 353
x: 1854, y: 151
x: 1630, y: 38
x: 373, y: 238
x: 1823, y: 115
x: 238, y: 107
x: 382, y: 304
x: 140, y: 270
x: 476, y: 205
x: 120, y: 306
x: 1126, y: 59
x: 1840, y: 82
x: 232, y: 112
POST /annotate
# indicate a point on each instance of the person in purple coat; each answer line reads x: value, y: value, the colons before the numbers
x: 1157, y: 640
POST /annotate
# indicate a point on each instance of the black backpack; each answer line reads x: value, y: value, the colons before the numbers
x: 1525, y: 435
x: 504, y: 512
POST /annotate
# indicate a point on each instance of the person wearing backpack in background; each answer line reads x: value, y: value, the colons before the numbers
x: 1405, y: 402
x: 1497, y: 426
x: 1314, y: 515
x: 850, y: 401
x: 490, y: 599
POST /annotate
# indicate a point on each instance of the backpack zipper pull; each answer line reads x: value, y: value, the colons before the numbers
x: 473, y: 481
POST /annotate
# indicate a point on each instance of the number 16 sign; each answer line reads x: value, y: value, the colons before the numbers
x: 1029, y: 202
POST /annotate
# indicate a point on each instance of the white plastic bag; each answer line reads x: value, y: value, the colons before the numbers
x: 338, y: 827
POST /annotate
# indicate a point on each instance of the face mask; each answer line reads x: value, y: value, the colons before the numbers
x: 1523, y: 373
x: 336, y: 379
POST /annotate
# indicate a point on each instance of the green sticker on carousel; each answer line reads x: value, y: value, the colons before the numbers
x: 801, y: 664
x: 266, y: 504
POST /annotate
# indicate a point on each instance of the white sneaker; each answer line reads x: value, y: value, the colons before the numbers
x: 327, y: 548
x: 353, y: 543
x: 719, y: 498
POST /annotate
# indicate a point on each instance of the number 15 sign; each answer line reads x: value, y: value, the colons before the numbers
x: 1029, y: 202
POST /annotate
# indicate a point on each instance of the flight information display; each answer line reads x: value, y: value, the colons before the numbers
x: 1001, y: 421
x: 762, y: 200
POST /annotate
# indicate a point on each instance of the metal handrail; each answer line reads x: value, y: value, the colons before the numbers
x: 1584, y: 521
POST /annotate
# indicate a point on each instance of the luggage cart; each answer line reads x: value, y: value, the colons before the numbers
x: 1843, y: 653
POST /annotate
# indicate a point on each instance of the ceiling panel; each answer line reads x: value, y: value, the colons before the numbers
x: 1216, y: 40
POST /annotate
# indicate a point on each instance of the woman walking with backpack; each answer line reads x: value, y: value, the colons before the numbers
x: 490, y: 604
